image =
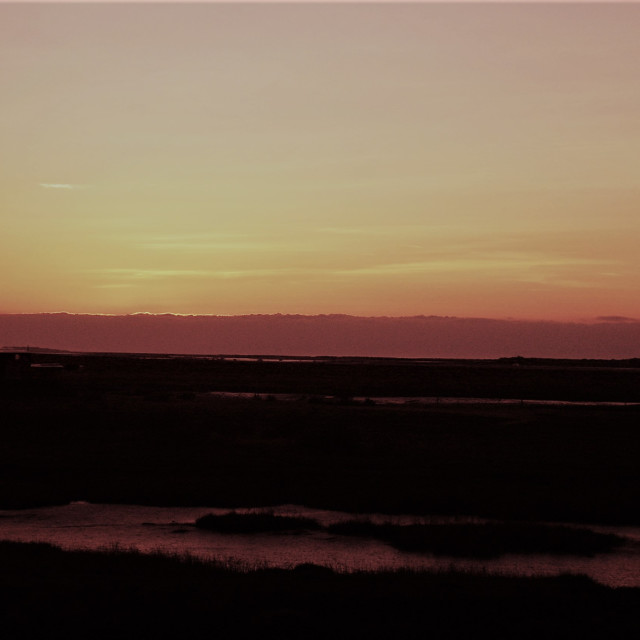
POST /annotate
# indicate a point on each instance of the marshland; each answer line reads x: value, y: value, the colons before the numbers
x: 532, y: 478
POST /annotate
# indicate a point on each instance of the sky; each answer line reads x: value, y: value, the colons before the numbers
x: 472, y: 160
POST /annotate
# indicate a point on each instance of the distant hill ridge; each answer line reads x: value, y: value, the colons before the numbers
x: 31, y: 349
x: 332, y: 335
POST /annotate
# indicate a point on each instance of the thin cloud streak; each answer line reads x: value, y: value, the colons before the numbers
x: 616, y: 319
x: 190, y: 247
x: 129, y: 275
x: 145, y: 274
x: 460, y: 264
x: 57, y: 185
x: 525, y: 268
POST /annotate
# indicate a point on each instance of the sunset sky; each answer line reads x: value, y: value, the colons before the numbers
x: 476, y: 160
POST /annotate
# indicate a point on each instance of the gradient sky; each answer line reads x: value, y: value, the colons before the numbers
x: 380, y: 159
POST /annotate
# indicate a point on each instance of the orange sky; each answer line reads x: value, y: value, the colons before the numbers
x: 439, y: 159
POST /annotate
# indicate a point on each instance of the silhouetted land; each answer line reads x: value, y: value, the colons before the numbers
x: 518, y: 378
x: 135, y: 430
x: 124, y: 429
x: 485, y: 540
x: 233, y: 522
x: 469, y: 539
x: 48, y: 593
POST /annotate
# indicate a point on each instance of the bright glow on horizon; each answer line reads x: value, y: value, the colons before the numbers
x: 409, y: 159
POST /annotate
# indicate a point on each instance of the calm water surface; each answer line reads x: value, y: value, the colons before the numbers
x: 170, y: 530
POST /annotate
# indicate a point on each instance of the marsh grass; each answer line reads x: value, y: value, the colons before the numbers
x: 456, y: 539
x: 49, y: 593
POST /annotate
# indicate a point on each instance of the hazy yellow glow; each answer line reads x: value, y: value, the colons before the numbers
x: 384, y: 159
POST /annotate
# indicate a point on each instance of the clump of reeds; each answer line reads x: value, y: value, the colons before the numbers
x: 259, y: 522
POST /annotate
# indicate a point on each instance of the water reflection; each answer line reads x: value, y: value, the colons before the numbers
x: 170, y: 530
x: 414, y: 400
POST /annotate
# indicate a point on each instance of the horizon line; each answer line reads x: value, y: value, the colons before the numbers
x: 602, y: 319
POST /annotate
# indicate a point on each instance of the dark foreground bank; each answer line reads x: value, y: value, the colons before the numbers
x: 46, y: 592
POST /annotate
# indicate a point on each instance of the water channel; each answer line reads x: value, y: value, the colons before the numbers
x: 415, y: 400
x: 170, y: 530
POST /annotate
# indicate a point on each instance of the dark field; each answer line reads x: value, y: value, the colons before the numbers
x: 133, y: 430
